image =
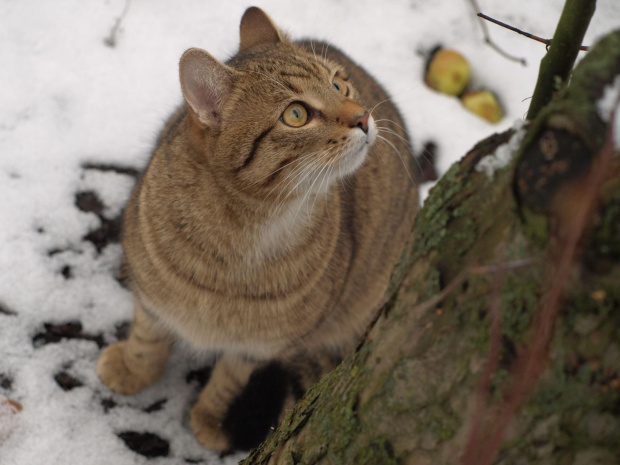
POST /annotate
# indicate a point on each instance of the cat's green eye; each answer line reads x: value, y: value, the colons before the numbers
x: 295, y: 115
x: 340, y: 86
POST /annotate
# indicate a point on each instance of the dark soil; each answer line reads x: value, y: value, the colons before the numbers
x: 7, y: 311
x: 427, y: 161
x: 147, y: 444
x: 6, y: 382
x: 251, y: 416
x: 66, y: 381
x: 53, y: 333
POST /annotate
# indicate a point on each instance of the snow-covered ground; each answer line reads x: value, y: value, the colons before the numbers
x: 70, y: 106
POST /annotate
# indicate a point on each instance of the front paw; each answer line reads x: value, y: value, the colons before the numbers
x: 114, y: 372
x: 208, y: 430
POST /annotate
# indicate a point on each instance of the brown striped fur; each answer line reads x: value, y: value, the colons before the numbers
x: 255, y: 239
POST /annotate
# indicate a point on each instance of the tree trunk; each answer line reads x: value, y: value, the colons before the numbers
x: 501, y: 343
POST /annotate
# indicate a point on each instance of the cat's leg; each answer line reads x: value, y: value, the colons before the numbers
x: 129, y: 366
x: 228, y: 379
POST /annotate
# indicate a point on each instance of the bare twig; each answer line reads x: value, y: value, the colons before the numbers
x: 479, y: 427
x: 547, y: 42
x: 111, y: 40
x: 502, y: 266
x: 497, y: 268
x: 487, y: 38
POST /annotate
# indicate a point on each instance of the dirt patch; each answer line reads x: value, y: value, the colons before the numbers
x: 53, y: 333
x: 147, y: 444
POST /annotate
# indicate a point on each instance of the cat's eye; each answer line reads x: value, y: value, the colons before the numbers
x: 340, y: 86
x: 295, y: 115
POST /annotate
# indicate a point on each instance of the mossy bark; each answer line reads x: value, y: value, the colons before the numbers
x: 408, y: 394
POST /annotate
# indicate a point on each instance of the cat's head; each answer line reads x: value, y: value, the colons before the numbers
x: 275, y: 121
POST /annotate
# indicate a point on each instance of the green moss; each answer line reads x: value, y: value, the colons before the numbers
x: 520, y: 296
x: 432, y: 285
x: 578, y: 386
x: 465, y: 234
x: 437, y: 423
x: 604, y: 241
x: 378, y: 452
x: 536, y: 226
x: 433, y: 218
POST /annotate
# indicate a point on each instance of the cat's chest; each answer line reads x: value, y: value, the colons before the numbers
x: 286, y: 228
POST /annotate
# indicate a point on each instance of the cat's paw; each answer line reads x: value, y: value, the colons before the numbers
x: 208, y: 430
x: 114, y: 372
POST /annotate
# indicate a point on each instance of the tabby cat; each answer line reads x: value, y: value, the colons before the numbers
x: 268, y: 221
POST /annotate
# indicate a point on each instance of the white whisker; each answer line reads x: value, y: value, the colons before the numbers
x: 306, y: 195
x: 299, y: 176
x: 328, y: 176
x: 299, y: 159
x: 413, y: 154
x: 320, y: 189
x: 303, y: 174
x: 386, y: 140
x: 313, y: 50
x: 380, y: 103
x: 325, y: 52
x: 303, y: 165
x: 271, y: 79
x: 392, y: 122
x: 394, y: 133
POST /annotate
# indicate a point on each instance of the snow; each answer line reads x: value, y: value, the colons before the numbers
x: 68, y: 100
x: 504, y: 153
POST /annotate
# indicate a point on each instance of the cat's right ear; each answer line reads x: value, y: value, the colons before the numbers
x: 257, y: 29
x: 206, y: 84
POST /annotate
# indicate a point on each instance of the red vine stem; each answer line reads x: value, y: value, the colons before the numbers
x: 530, y: 364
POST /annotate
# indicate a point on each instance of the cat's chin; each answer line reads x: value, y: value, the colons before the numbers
x: 355, y: 158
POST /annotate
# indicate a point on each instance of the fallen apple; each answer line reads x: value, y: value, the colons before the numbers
x: 448, y: 72
x: 484, y: 104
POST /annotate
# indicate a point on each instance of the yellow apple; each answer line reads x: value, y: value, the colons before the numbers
x: 448, y: 72
x: 484, y: 104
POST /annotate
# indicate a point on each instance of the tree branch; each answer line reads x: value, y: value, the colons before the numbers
x: 558, y: 63
x: 547, y: 42
x: 487, y: 37
x: 110, y: 41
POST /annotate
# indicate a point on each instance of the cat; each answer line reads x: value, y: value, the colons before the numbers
x: 268, y: 221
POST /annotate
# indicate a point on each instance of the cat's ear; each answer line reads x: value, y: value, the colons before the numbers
x: 206, y: 84
x: 257, y: 29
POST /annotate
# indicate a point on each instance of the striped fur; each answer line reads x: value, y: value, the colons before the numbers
x: 257, y: 240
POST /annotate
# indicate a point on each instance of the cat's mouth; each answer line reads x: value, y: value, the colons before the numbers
x: 371, y: 137
x: 356, y: 153
x: 343, y: 162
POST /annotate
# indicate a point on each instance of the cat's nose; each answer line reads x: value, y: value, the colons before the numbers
x: 361, y: 121
x: 353, y: 115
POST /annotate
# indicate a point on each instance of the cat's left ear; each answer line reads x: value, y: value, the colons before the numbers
x: 257, y: 29
x: 206, y: 84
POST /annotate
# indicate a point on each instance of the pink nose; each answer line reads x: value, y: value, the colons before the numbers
x: 361, y: 122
